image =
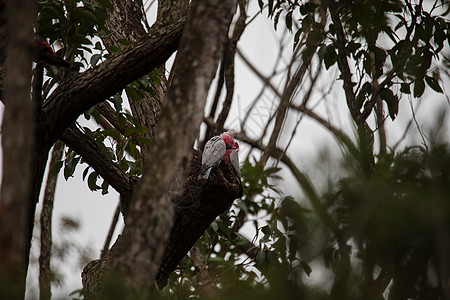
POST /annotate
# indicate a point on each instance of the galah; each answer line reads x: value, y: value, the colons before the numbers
x: 45, y: 54
x: 216, y: 150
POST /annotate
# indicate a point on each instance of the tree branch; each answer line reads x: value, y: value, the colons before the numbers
x: 228, y: 63
x: 343, y: 65
x: 387, y: 81
x: 97, y: 158
x: 79, y: 92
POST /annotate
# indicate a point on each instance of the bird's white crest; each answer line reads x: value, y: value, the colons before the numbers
x: 230, y: 133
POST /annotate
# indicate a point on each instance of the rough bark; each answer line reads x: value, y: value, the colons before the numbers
x: 45, y: 273
x: 3, y: 38
x: 138, y: 254
x: 169, y: 10
x: 17, y: 143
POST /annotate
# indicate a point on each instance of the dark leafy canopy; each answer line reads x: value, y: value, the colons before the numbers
x: 393, y: 41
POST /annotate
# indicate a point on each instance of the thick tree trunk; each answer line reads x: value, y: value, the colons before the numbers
x: 17, y: 143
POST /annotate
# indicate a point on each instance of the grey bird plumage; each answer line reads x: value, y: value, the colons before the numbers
x: 214, y: 151
x: 234, y: 159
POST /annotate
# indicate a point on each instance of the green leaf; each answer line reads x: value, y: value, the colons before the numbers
x: 105, y: 186
x: 433, y: 83
x: 266, y: 230
x: 114, y: 133
x: 419, y: 87
x: 98, y: 46
x: 92, y: 181
x: 144, y: 140
x: 132, y: 94
x: 53, y: 12
x: 123, y: 165
x: 131, y: 130
x: 270, y: 5
x: 121, y: 120
x: 56, y: 167
x: 260, y: 257
x: 288, y: 21
x: 133, y: 150
x: 392, y: 102
x: 88, y: 15
x: 297, y: 37
x: 243, y: 206
x: 85, y: 172
x: 113, y: 49
x: 214, y: 226
x: 276, y: 19
x: 78, y: 39
x: 94, y: 59
x: 117, y: 101
x: 330, y: 56
x: 261, y: 4
x: 70, y: 165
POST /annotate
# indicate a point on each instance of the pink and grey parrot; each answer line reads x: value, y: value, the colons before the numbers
x: 218, y: 148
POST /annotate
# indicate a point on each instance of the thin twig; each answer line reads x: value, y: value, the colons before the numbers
x: 112, y: 227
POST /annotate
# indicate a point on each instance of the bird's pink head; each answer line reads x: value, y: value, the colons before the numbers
x: 236, y: 146
x: 228, y: 138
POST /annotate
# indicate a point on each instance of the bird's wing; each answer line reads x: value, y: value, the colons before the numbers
x: 214, y: 151
x: 234, y: 158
